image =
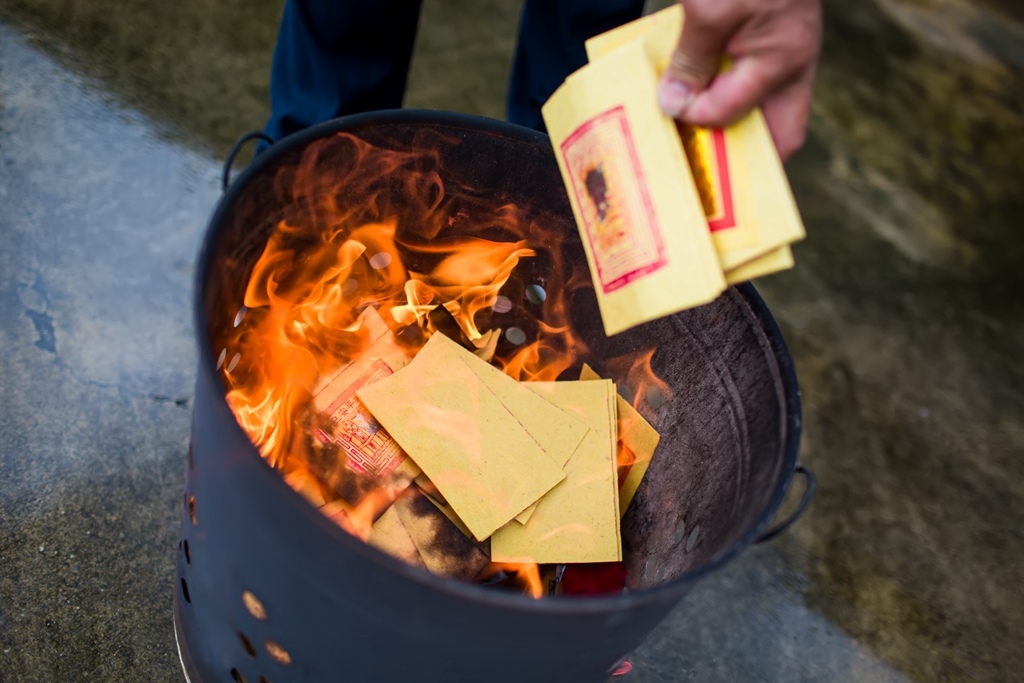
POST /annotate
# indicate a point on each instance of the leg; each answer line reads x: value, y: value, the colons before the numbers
x: 550, y: 47
x: 336, y: 57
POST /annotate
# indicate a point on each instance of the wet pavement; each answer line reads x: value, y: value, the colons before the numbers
x: 903, y: 315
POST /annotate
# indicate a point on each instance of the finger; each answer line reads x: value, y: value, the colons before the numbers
x: 734, y: 93
x: 787, y: 113
x: 707, y: 26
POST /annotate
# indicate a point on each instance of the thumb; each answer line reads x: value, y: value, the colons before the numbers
x: 697, y: 57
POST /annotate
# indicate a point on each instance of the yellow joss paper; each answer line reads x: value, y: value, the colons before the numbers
x: 383, y: 349
x: 557, y: 432
x: 487, y: 344
x: 742, y: 185
x: 637, y: 442
x: 480, y: 458
x: 578, y: 521
x: 360, y: 442
x: 389, y: 535
x: 430, y: 492
x: 638, y: 212
x: 668, y: 20
x: 370, y: 324
x: 756, y: 212
x: 444, y: 549
x: 772, y: 262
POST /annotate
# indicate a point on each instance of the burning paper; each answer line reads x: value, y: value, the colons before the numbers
x: 373, y: 326
x: 482, y: 460
x: 337, y: 308
x: 444, y: 549
x: 743, y: 188
x: 427, y: 488
x: 351, y: 440
x: 637, y: 441
x: 639, y: 215
x: 578, y: 521
x: 487, y: 345
x: 307, y: 485
x: 389, y: 535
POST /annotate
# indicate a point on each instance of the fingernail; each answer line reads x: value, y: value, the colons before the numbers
x: 674, y: 97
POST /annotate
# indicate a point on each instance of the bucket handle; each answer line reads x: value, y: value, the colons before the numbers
x: 235, y: 149
x: 812, y: 485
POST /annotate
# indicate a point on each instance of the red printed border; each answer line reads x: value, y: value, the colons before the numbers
x: 728, y: 218
x: 619, y: 113
x: 357, y: 384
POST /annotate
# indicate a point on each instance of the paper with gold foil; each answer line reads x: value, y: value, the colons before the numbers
x: 701, y: 145
x: 639, y: 215
x: 742, y: 185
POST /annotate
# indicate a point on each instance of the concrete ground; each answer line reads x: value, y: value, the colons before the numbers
x: 903, y: 314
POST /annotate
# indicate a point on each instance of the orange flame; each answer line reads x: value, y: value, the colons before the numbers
x: 366, y: 226
x: 359, y: 520
x: 649, y: 391
x: 527, y: 575
x: 401, y: 248
x: 471, y: 274
x: 625, y: 458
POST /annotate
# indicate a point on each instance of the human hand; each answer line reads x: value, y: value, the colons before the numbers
x: 773, y: 46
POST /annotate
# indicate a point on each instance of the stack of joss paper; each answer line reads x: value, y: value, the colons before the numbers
x: 669, y: 214
x: 477, y: 467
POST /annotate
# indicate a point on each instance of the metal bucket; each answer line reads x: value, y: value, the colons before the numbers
x: 269, y: 590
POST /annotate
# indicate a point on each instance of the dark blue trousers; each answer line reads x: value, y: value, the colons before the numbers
x: 336, y: 57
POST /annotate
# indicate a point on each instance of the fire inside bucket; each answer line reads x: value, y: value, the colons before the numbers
x: 401, y: 212
x: 373, y: 255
